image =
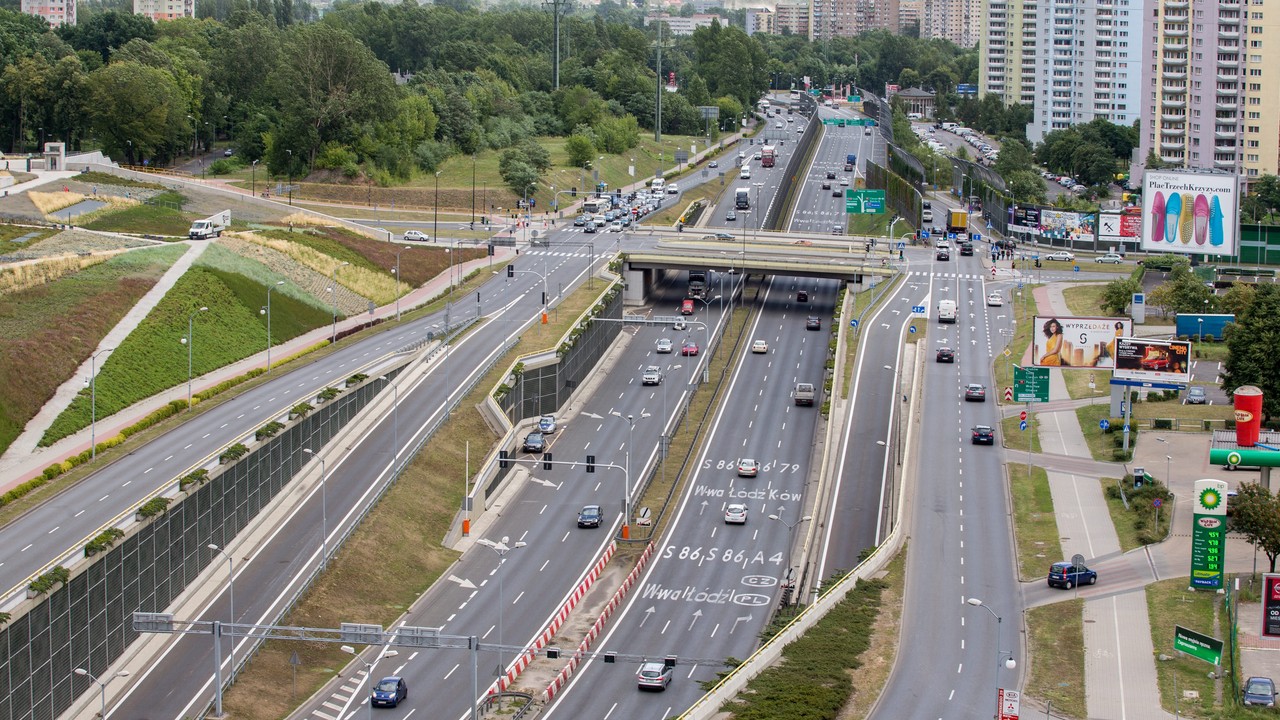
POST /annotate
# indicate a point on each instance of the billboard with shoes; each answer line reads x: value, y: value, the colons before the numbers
x: 1190, y: 212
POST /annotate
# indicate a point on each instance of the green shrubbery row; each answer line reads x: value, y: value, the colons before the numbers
x: 104, y: 540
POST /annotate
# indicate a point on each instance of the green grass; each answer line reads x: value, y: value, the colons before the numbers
x: 1137, y: 525
x: 1169, y: 603
x: 9, y: 235
x: 1084, y: 300
x: 147, y: 219
x: 1017, y: 347
x: 1077, y: 382
x: 1056, y: 641
x: 218, y: 258
x: 48, y: 331
x: 862, y: 302
x: 418, y: 263
x: 1212, y: 351
x: 1035, y: 527
x: 101, y: 178
x: 874, y: 225
x: 1015, y: 439
x: 1102, y: 444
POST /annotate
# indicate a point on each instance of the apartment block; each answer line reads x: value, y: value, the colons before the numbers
x: 1261, y: 73
x: 677, y: 25
x: 850, y: 18
x: 909, y: 12
x: 956, y: 20
x: 760, y: 20
x: 55, y: 12
x: 1007, y: 60
x: 792, y: 18
x: 165, y: 9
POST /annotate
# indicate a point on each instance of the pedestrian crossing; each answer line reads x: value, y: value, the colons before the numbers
x: 556, y: 253
x: 341, y: 699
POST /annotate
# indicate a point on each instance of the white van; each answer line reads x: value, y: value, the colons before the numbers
x: 745, y: 173
x: 658, y: 184
x: 914, y: 116
x: 946, y: 311
x: 950, y: 126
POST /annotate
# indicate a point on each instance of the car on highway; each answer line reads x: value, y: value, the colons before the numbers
x: 679, y: 324
x: 665, y: 346
x: 735, y: 514
x: 590, y: 227
x: 848, y: 167
x: 943, y: 255
x: 975, y: 392
x: 748, y: 467
x: 1196, y: 395
x: 689, y: 348
x: 966, y: 249
x: 760, y: 346
x: 995, y: 299
x: 946, y: 355
x: 615, y: 226
x: 844, y: 181
x: 589, y: 516
x: 535, y: 442
x: 1258, y: 691
x: 837, y: 230
x: 389, y: 692
x: 731, y: 215
x: 802, y: 296
x: 756, y: 156
x: 581, y: 220
x: 867, y: 132
x: 813, y: 322
x: 547, y: 424
x: 415, y: 236
x: 723, y: 236
x: 983, y: 435
x: 831, y: 175
x: 837, y: 192
x: 673, y: 189
x: 713, y: 164
x: 686, y: 306
x: 1067, y: 575
x: 1110, y: 258
x: 653, y: 676
x: 826, y: 184
x: 778, y: 125
x: 652, y: 376
x: 1060, y: 256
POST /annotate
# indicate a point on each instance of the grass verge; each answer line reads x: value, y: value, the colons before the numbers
x: 1017, y: 346
x: 671, y: 212
x: 1035, y: 527
x: 1017, y: 439
x: 396, y: 553
x: 1056, y: 646
x: 1084, y: 300
x: 1139, y: 524
x: 162, y: 219
x: 1170, y: 603
x: 1106, y: 446
x: 862, y: 304
x: 876, y: 662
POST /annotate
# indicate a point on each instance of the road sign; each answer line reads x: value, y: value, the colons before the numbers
x: 1031, y: 384
x: 1008, y: 393
x: 917, y: 309
x: 1270, y: 605
x: 912, y: 329
x: 853, y: 323
x: 1208, y: 534
x: 988, y: 224
x: 864, y: 202
x: 976, y: 237
x: 924, y: 234
x: 1157, y: 502
x: 901, y: 245
x: 1022, y: 415
x: 1196, y: 645
x: 1075, y: 268
x: 1104, y: 424
x: 832, y: 121
x: 1022, y: 425
x: 951, y: 236
x: 993, y: 271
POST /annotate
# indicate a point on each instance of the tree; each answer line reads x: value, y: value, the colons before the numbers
x: 1237, y: 299
x: 1117, y: 295
x: 1255, y: 513
x: 1025, y: 186
x: 1252, y: 343
x: 580, y: 150
x: 519, y: 175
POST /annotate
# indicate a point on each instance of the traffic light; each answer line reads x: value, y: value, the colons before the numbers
x: 591, y: 463
x: 546, y: 461
x: 511, y: 271
x: 503, y: 462
x: 490, y: 249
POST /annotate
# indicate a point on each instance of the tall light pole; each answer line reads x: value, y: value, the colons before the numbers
x: 473, y: 189
x: 1010, y: 663
x: 267, y: 311
x: 626, y: 482
x: 791, y: 526
x: 93, y: 402
x: 324, y: 510
x: 102, y: 687
x: 290, y: 180
x: 501, y: 548
x: 333, y: 299
x: 402, y: 249
x: 231, y: 590
x: 253, y: 178
x: 435, y: 212
x: 395, y: 416
x: 189, y: 340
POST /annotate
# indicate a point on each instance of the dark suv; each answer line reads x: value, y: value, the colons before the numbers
x: 1066, y: 575
x: 534, y: 442
x: 589, y: 516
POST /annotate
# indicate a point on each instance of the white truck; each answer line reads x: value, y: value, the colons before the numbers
x: 210, y: 227
x: 804, y: 393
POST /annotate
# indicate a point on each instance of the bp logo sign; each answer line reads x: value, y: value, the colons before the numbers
x: 1210, y: 498
x: 1233, y: 458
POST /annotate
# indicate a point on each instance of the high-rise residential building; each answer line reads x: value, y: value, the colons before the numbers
x: 55, y: 12
x: 956, y: 20
x: 760, y: 20
x: 850, y: 18
x: 165, y: 9
x: 792, y: 18
x: 1209, y: 79
x: 1007, y: 61
x: 1086, y: 63
x: 909, y: 12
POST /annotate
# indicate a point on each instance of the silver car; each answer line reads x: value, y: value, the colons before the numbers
x: 735, y: 514
x: 665, y: 345
x: 652, y: 376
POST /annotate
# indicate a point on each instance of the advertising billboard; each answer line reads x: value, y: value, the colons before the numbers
x: 1063, y: 225
x: 1155, y: 360
x: 1190, y: 212
x: 1126, y: 225
x: 1024, y: 219
x: 1077, y: 341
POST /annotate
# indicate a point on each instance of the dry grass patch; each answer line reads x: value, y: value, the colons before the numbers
x: 16, y: 278
x: 302, y: 219
x: 379, y: 287
x: 51, y: 202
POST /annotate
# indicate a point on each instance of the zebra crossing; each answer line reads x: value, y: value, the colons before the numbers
x: 341, y: 699
x: 556, y: 253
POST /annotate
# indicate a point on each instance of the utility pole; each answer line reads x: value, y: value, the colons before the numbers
x: 657, y: 108
x: 557, y: 8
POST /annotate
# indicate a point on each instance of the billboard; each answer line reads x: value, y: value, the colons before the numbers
x: 1157, y: 360
x: 1024, y: 219
x: 1190, y: 212
x: 1126, y: 225
x: 1077, y: 341
x: 1063, y: 225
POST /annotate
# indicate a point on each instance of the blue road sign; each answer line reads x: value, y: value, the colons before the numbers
x: 1104, y: 423
x: 1019, y: 284
x: 1157, y: 502
x: 1022, y: 425
x: 912, y: 329
x: 1076, y: 268
x: 924, y: 234
x: 951, y: 236
x: 901, y: 245
x: 977, y: 237
x: 917, y: 309
x: 988, y: 224
x: 853, y: 323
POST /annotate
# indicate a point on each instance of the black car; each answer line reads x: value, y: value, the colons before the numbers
x: 943, y: 255
x: 831, y: 175
x: 966, y: 249
x: 826, y: 184
x: 837, y: 192
x: 589, y: 516
x: 813, y: 323
x: 534, y: 442
x: 983, y: 435
x: 802, y: 296
x: 946, y: 355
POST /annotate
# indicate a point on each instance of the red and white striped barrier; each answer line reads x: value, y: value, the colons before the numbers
x: 526, y: 657
x: 597, y: 627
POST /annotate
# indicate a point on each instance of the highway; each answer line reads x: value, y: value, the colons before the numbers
x: 822, y: 210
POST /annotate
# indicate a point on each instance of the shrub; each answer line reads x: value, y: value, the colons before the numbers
x: 228, y: 384
x: 300, y: 410
x: 233, y: 453
x: 268, y: 430
x: 4, y: 617
x: 173, y: 408
x: 356, y: 379
x: 105, y: 539
x: 49, y: 580
x: 153, y: 507
x: 50, y: 473
x: 199, y: 477
x: 328, y: 394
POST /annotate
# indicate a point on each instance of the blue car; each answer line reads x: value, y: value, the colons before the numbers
x: 389, y: 692
x: 1259, y: 691
x: 1066, y: 575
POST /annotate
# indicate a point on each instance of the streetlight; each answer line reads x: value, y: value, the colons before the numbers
x: 102, y: 686
x: 189, y: 340
x: 1009, y: 663
x: 368, y: 666
x: 290, y: 171
x: 333, y: 299
x: 324, y: 510
x: 267, y: 311
x: 435, y: 211
x: 791, y: 527
x: 501, y: 548
x: 402, y: 249
x: 395, y: 416
x: 92, y: 382
x: 626, y: 488
x: 473, y: 190
x: 231, y: 584
x: 253, y: 178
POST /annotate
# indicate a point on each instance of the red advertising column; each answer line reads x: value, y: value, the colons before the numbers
x: 1248, y: 402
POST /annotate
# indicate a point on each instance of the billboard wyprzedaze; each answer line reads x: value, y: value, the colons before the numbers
x: 1158, y: 360
x: 1190, y: 212
x: 1077, y: 341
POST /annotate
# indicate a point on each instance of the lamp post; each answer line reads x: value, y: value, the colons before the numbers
x: 395, y: 416
x: 102, y: 687
x: 435, y: 212
x: 289, y: 182
x: 473, y: 189
x: 1009, y: 663
x: 402, y: 249
x: 267, y: 311
x: 93, y: 402
x: 791, y: 526
x: 333, y: 299
x: 231, y: 590
x: 501, y: 548
x: 253, y: 178
x: 626, y: 487
x: 324, y: 509
x: 189, y: 340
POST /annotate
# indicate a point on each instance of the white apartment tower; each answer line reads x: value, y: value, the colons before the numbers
x: 1007, y: 59
x: 959, y: 21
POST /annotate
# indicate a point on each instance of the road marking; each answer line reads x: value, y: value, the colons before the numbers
x: 544, y: 565
x: 566, y: 535
x: 206, y: 436
x: 25, y: 549
x: 451, y: 671
x: 53, y: 530
x: 126, y: 483
x: 144, y: 472
x: 78, y: 514
x: 168, y: 458
x: 104, y: 497
x: 513, y: 602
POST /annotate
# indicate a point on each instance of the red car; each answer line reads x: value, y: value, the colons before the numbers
x: 689, y: 348
x: 686, y: 307
x: 1155, y: 360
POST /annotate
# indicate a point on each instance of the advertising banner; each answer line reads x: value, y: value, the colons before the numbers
x: 1205, y: 647
x: 1153, y: 360
x: 1077, y: 341
x: 1190, y: 212
x: 1208, y: 534
x: 1271, y: 605
x: 1063, y: 225
x: 1125, y: 225
x: 1025, y: 220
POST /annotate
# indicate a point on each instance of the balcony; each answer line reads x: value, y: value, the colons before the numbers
x: 1227, y: 92
x: 1176, y: 5
x: 1174, y: 60
x: 1179, y: 46
x: 1224, y: 163
x: 1226, y: 34
x: 1225, y: 20
x: 1175, y: 158
x: 1166, y: 145
x: 1219, y: 135
x: 1179, y: 32
x: 1228, y: 63
x: 1175, y: 74
x: 1173, y: 103
x: 1174, y: 118
x: 1224, y: 103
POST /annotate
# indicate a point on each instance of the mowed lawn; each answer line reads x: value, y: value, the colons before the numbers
x: 46, y: 332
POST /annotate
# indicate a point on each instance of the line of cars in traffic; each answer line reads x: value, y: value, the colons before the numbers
x: 637, y: 206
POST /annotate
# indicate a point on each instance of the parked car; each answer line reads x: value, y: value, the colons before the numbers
x: 1196, y: 395
x: 535, y: 442
x: 389, y: 692
x: 589, y: 516
x: 735, y: 514
x: 983, y: 435
x: 547, y: 424
x: 653, y: 676
x: 946, y: 355
x: 748, y: 468
x: 1110, y: 258
x: 1066, y: 575
x: 415, y: 236
x: 975, y: 392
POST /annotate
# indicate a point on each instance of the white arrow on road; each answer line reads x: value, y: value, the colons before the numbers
x: 744, y: 618
x: 696, y: 614
x: 544, y: 483
x: 594, y: 416
x: 462, y: 582
x: 704, y: 508
x: 647, y: 614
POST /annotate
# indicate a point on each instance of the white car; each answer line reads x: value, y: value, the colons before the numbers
x: 756, y: 156
x: 1062, y: 255
x: 844, y: 181
x: 735, y: 514
x: 995, y: 300
x: 547, y: 424
x: 615, y: 226
x: 652, y: 375
x: 665, y: 346
x: 673, y: 189
x: 748, y: 468
x: 1110, y: 258
x: 415, y: 236
x: 778, y: 125
x: 941, y: 245
x: 760, y: 346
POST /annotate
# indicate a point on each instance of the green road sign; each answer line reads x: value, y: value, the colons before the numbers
x: 1196, y: 645
x: 864, y: 202
x: 854, y: 98
x: 1208, y: 534
x: 1030, y: 384
x: 833, y: 121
